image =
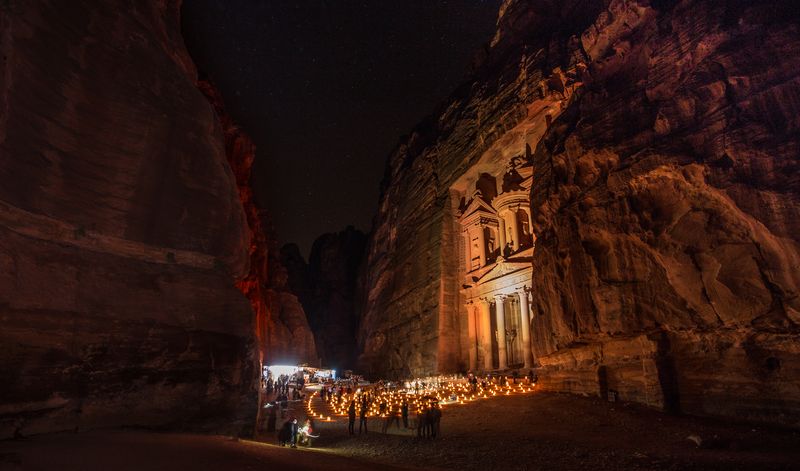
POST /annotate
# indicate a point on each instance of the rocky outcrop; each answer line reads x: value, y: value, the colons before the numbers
x: 667, y: 259
x: 282, y: 332
x: 326, y: 287
x: 290, y: 338
x: 121, y: 228
x: 665, y: 206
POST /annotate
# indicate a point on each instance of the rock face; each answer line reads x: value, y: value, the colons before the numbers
x: 121, y: 228
x: 290, y: 338
x: 282, y: 332
x: 664, y: 203
x: 326, y: 287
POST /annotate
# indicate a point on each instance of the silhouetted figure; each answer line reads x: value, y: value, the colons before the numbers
x: 351, y: 417
x: 436, y: 417
x: 363, y: 418
x: 508, y: 250
x: 273, y: 418
x: 428, y: 430
x: 421, y: 423
x: 285, y: 433
x: 404, y: 412
x: 293, y: 432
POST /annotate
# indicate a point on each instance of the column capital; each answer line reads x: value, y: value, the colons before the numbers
x: 500, y: 297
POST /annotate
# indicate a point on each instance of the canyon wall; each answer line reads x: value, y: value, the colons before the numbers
x: 664, y: 201
x: 283, y: 335
x: 326, y: 286
x: 121, y: 228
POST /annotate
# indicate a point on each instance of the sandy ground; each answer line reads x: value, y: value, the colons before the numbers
x: 523, y: 432
x: 543, y: 431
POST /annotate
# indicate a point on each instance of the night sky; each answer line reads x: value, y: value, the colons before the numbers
x: 326, y: 88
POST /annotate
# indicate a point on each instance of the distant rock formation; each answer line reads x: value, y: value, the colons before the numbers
x: 290, y: 338
x: 326, y: 287
x: 664, y: 206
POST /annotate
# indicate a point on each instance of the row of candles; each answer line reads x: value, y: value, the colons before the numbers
x: 436, y: 390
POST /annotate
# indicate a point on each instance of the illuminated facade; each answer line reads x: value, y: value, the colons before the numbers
x: 496, y: 249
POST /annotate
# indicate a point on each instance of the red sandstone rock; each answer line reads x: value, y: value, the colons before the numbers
x: 282, y: 332
x: 326, y: 286
x: 665, y: 204
x: 121, y: 228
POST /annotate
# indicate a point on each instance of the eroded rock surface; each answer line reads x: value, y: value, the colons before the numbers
x: 282, y: 332
x: 327, y: 286
x: 664, y: 202
x: 121, y: 228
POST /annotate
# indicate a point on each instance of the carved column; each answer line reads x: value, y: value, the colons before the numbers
x: 512, y: 219
x: 467, y: 252
x: 473, y: 337
x: 502, y: 234
x: 526, y: 326
x: 501, y: 331
x: 482, y: 245
x: 486, y: 333
x: 530, y: 223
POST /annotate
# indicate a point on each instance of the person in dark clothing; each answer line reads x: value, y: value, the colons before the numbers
x: 273, y: 418
x: 436, y: 417
x: 293, y: 432
x: 428, y: 430
x: 363, y: 418
x: 421, y: 423
x: 404, y: 413
x: 351, y: 417
x: 284, y: 434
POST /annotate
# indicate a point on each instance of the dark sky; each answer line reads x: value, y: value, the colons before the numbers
x: 326, y: 88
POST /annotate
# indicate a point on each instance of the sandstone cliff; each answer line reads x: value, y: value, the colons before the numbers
x: 282, y: 332
x: 121, y: 228
x: 326, y: 286
x: 291, y: 339
x: 665, y: 204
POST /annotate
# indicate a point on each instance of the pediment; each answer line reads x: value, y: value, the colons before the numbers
x: 477, y: 205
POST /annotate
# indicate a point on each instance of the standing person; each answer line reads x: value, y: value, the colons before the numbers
x: 273, y: 417
x: 404, y: 413
x: 428, y: 432
x: 351, y: 417
x: 363, y: 417
x: 436, y: 417
x: 284, y: 433
x: 293, y: 432
x: 421, y: 425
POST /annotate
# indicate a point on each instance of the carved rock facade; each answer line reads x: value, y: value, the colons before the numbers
x: 664, y: 203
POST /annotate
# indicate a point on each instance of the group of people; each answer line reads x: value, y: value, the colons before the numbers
x: 293, y: 434
x: 281, y: 385
x: 338, y: 388
x: 428, y: 417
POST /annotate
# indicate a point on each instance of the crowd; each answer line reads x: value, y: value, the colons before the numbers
x: 416, y: 404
